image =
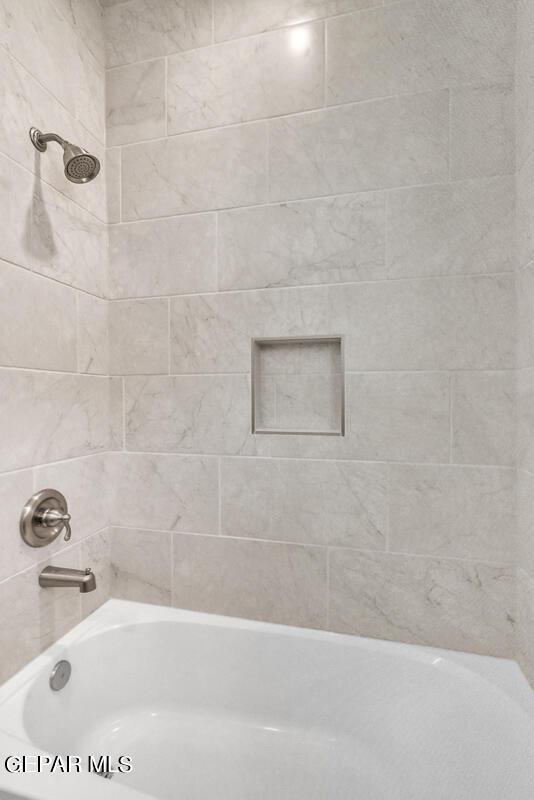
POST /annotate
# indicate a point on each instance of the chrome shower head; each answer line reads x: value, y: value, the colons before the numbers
x: 80, y: 166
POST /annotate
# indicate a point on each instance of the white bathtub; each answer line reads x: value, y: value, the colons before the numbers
x: 211, y: 708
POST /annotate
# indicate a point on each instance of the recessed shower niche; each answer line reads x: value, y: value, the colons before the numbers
x: 298, y: 385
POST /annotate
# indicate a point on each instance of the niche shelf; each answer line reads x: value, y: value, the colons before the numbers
x: 298, y: 385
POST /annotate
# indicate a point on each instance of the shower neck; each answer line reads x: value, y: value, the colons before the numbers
x: 40, y: 140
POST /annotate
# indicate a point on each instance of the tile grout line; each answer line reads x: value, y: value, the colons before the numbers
x: 123, y: 398
x: 328, y: 556
x: 324, y: 547
x: 219, y: 479
x: 325, y: 63
x: 294, y: 199
x: 260, y: 33
x: 172, y: 543
x: 320, y: 110
x: 78, y: 356
x: 169, y: 337
x: 451, y: 389
x: 459, y: 277
x: 216, y: 259
x: 264, y: 457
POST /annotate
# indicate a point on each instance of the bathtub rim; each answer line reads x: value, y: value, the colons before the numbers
x: 503, y: 674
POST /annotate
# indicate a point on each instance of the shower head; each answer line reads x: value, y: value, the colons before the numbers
x: 80, y: 166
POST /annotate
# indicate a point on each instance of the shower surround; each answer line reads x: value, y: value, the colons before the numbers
x: 352, y: 174
x: 54, y: 389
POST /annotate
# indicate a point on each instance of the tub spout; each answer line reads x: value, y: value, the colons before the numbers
x: 83, y: 579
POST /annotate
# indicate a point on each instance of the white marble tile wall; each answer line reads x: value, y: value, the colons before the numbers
x: 299, y: 167
x: 54, y: 389
x: 525, y: 336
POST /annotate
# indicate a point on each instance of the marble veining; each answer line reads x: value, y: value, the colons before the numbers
x: 235, y: 18
x: 135, y: 102
x: 336, y: 150
x: 170, y: 176
x: 140, y: 29
x: 249, y: 79
x: 164, y: 492
x: 314, y: 502
x: 446, y: 603
x: 157, y: 243
x: 317, y: 241
x: 417, y: 46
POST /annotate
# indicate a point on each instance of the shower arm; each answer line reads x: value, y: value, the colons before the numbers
x: 40, y: 140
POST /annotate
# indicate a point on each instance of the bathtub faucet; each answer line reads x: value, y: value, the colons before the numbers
x: 83, y: 579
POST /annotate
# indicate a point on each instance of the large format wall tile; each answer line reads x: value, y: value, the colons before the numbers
x: 140, y: 29
x: 235, y: 18
x: 16, y: 203
x: 38, y: 617
x: 525, y: 419
x: 482, y: 131
x: 86, y: 20
x: 164, y: 492
x: 116, y: 413
x: 68, y: 243
x: 463, y: 512
x: 44, y: 42
x: 483, y: 417
x: 50, y: 55
x: 195, y: 172
x: 93, y: 340
x: 389, y: 417
x: 417, y: 46
x: 37, y: 321
x: 453, y: 323
x: 90, y: 92
x: 437, y: 323
x: 459, y: 605
x: 15, y: 489
x: 525, y: 522
x: 456, y: 228
x: 276, y: 73
x: 338, y: 150
x: 139, y: 337
x: 48, y: 416
x: 524, y: 81
x: 399, y: 416
x: 113, y: 184
x: 314, y: 241
x: 315, y: 502
x: 268, y: 581
x: 190, y: 414
x: 162, y: 257
x: 135, y: 102
x: 141, y: 568
x: 525, y: 318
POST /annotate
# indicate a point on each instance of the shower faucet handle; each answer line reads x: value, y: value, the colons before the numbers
x: 52, y: 517
x: 44, y: 517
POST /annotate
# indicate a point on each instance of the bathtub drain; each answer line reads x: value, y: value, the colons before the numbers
x: 108, y: 774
